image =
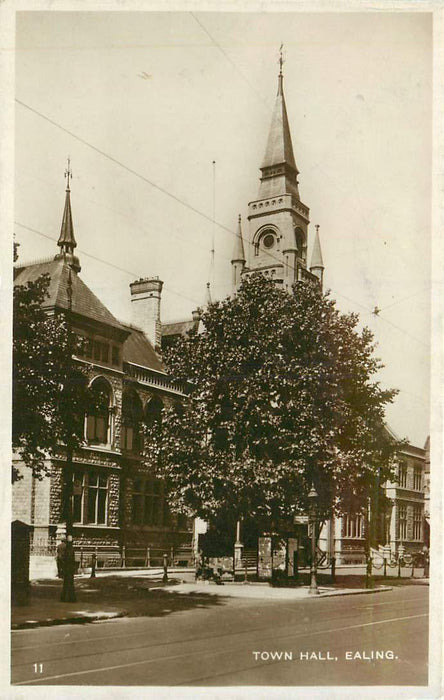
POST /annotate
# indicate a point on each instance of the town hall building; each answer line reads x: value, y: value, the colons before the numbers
x: 119, y: 507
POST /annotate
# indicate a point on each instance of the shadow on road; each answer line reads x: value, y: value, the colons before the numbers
x: 135, y: 597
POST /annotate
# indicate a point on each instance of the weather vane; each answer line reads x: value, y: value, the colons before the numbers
x: 68, y: 172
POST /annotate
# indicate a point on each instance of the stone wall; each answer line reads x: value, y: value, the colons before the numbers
x: 56, y: 496
x: 22, y: 494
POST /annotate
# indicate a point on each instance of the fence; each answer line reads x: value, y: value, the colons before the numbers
x: 42, y: 547
x: 115, y: 556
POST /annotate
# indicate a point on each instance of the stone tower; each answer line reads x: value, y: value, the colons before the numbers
x: 278, y: 219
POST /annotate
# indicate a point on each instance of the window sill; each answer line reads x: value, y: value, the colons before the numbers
x: 90, y: 526
x: 104, y: 449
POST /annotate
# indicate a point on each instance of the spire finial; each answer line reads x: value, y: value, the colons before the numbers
x: 281, y: 60
x: 67, y: 241
x: 317, y: 228
x: 281, y: 77
x: 68, y: 173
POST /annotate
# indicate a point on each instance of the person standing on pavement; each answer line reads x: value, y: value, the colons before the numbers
x: 60, y: 557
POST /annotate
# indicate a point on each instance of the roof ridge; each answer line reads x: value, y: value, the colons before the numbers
x: 38, y: 261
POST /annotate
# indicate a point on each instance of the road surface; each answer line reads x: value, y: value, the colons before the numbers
x: 221, y: 641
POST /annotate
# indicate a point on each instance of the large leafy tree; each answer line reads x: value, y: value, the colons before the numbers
x: 50, y: 393
x: 282, y: 396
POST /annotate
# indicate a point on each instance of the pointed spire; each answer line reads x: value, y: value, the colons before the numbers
x: 67, y: 241
x: 279, y: 170
x: 238, y: 250
x: 317, y: 264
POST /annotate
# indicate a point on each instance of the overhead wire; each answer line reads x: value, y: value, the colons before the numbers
x: 178, y: 200
x: 105, y: 262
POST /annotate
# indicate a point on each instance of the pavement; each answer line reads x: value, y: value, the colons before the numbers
x: 141, y: 593
x: 212, y: 639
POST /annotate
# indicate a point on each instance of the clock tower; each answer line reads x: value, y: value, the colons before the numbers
x: 278, y: 219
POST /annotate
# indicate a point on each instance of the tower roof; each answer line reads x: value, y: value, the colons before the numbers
x: 238, y: 250
x: 67, y: 241
x: 279, y: 170
x: 316, y: 256
x: 279, y: 146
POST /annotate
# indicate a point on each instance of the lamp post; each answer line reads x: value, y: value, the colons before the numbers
x: 313, y: 499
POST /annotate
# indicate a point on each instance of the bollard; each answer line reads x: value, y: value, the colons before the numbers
x: 246, y: 572
x: 399, y: 567
x: 385, y: 567
x: 93, y: 565
x: 165, y: 569
x: 333, y: 569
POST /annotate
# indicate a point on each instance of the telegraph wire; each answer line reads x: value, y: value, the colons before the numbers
x: 231, y: 62
x: 135, y: 275
x: 183, y: 203
x: 141, y: 227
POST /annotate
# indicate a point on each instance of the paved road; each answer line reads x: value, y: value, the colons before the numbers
x: 226, y: 641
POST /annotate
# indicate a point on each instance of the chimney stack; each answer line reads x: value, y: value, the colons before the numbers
x: 145, y: 300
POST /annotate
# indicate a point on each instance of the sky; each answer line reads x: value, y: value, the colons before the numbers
x: 143, y: 103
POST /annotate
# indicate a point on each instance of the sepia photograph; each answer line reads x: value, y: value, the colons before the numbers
x: 224, y: 458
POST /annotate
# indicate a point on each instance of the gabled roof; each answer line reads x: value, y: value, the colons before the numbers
x: 84, y: 301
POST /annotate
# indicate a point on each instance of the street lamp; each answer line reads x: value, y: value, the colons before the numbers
x: 313, y: 499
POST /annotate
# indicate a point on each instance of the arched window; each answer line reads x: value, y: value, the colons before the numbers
x: 132, y: 414
x: 153, y: 413
x: 98, y: 428
x: 300, y: 243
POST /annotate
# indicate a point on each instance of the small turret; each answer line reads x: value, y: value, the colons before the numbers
x: 317, y: 264
x: 238, y: 259
x: 67, y: 242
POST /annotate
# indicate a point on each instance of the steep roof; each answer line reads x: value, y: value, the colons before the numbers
x: 279, y: 146
x: 316, y: 256
x: 84, y: 301
x: 238, y: 250
x: 177, y: 327
x: 279, y: 170
x: 138, y: 350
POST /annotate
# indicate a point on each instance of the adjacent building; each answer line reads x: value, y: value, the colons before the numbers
x: 119, y: 506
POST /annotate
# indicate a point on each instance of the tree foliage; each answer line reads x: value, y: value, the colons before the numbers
x: 50, y: 392
x: 282, y: 396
